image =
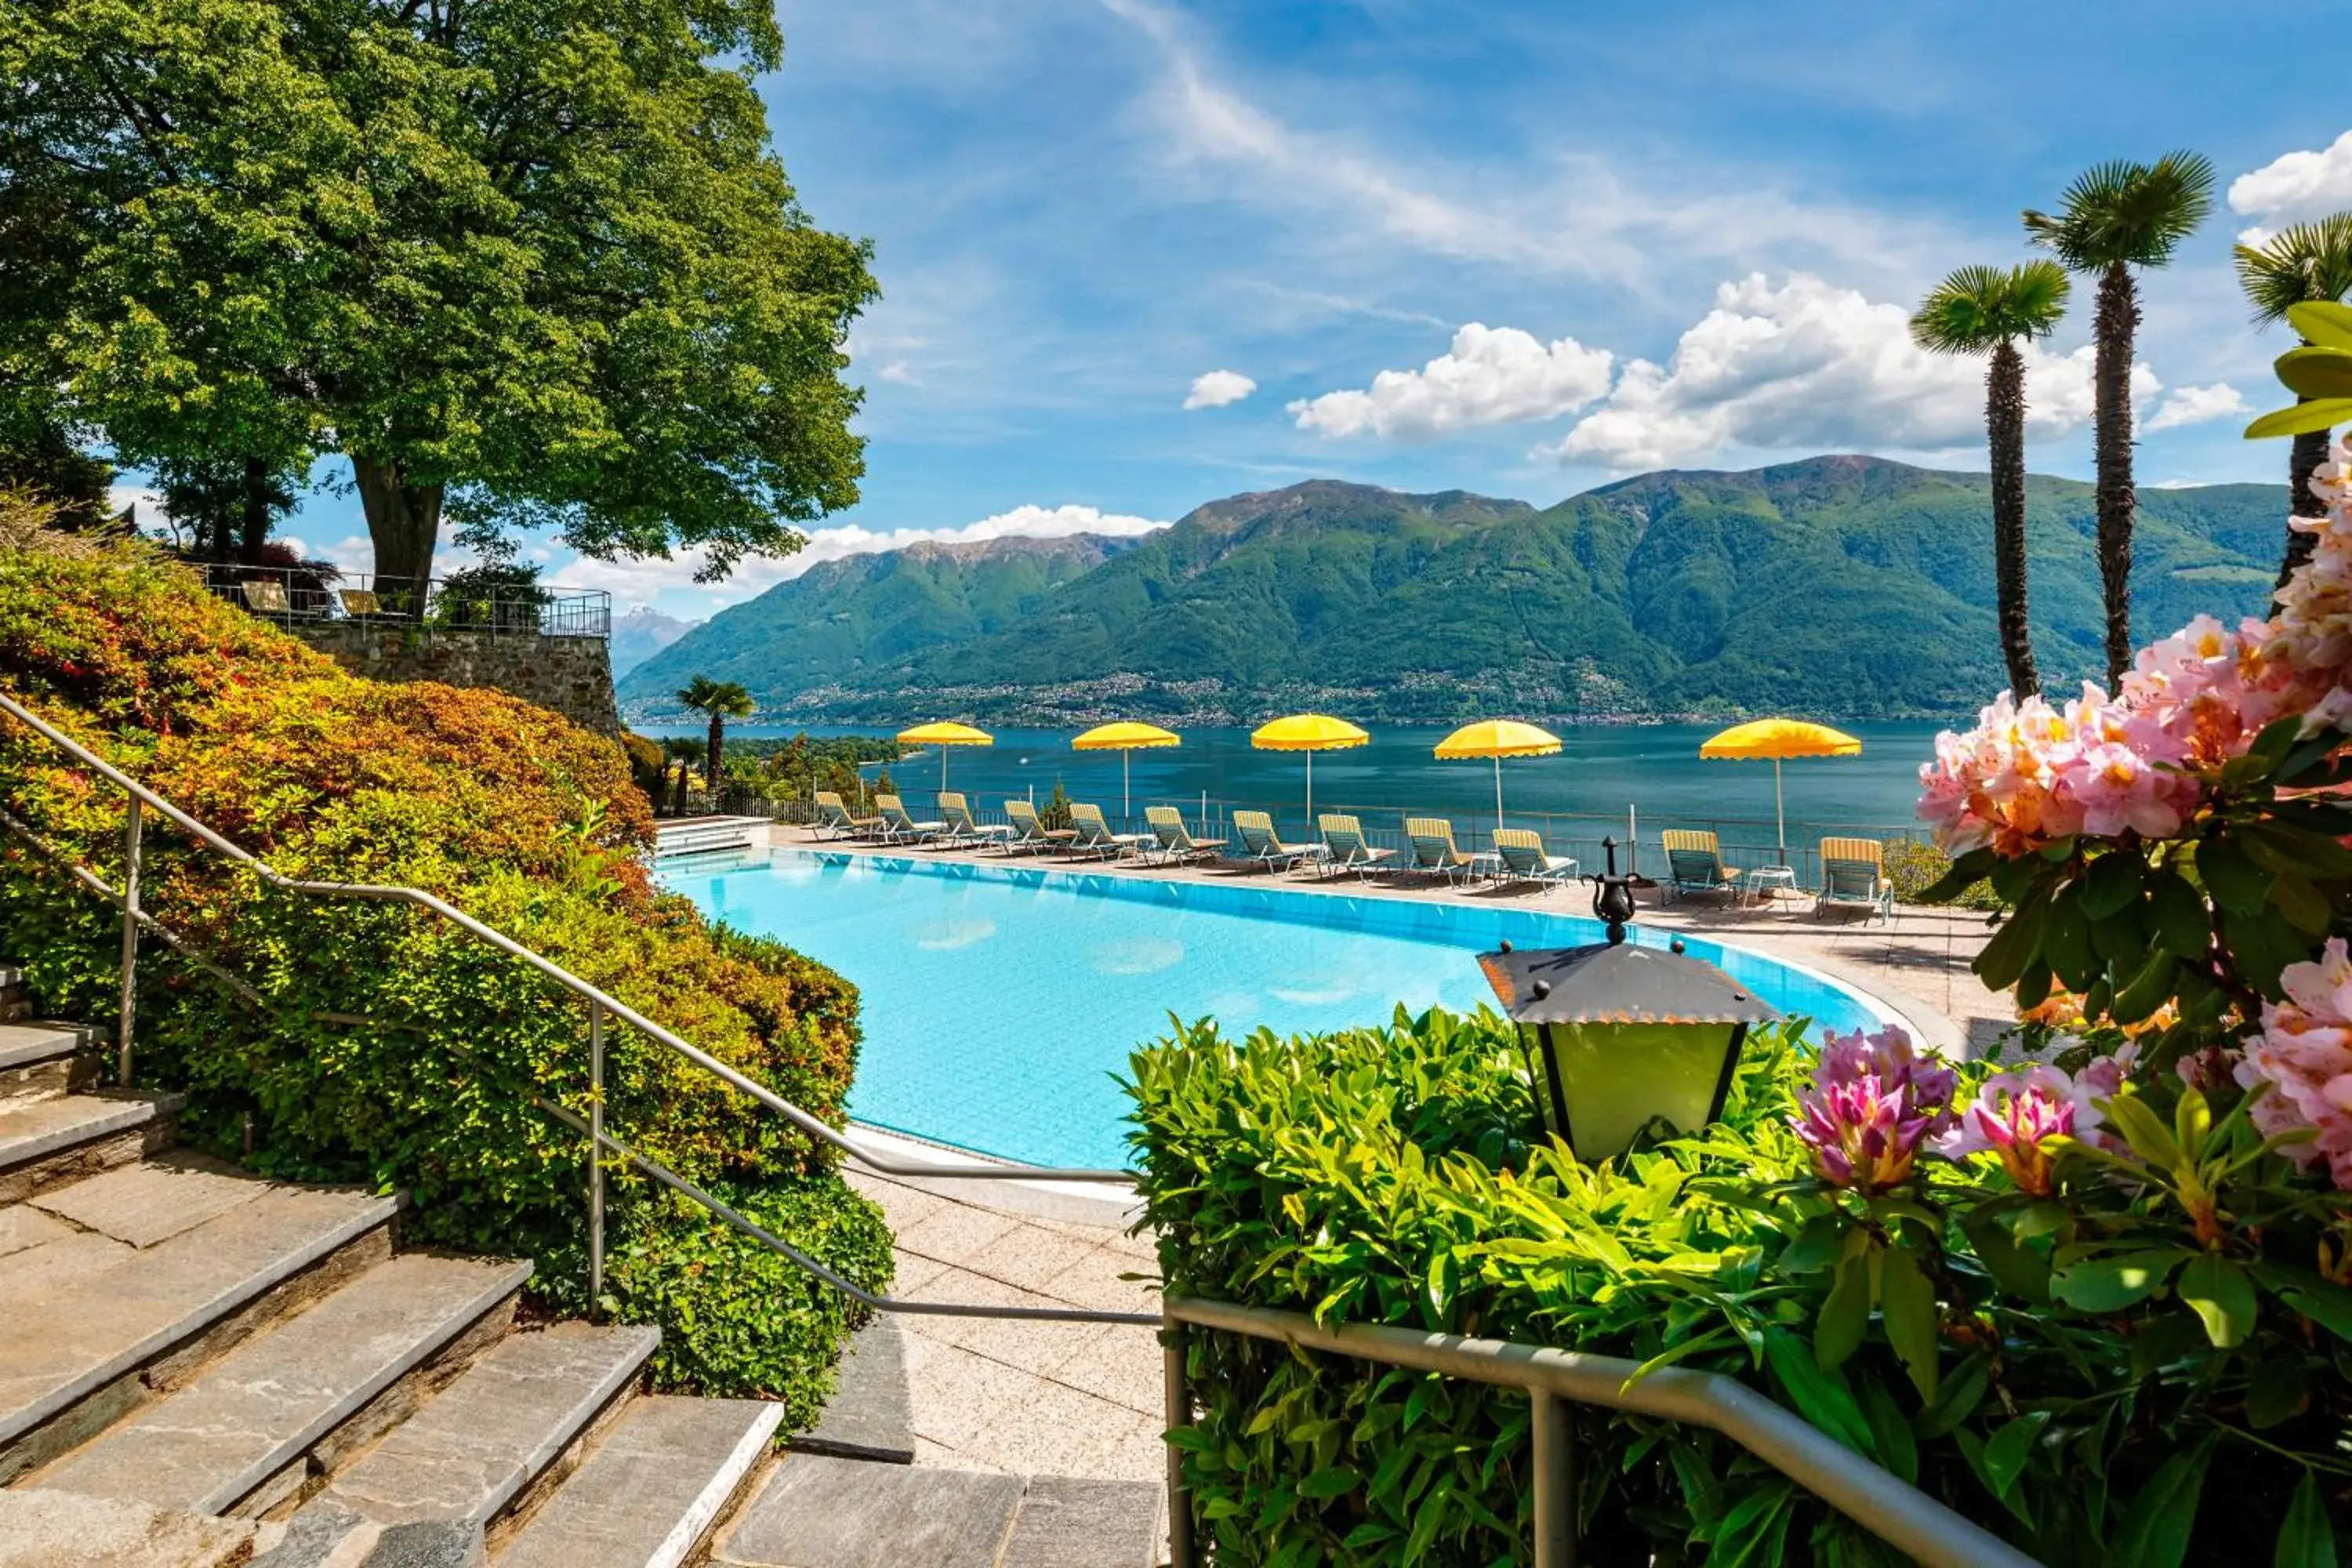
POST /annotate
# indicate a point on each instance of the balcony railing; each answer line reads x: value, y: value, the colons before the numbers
x: 295, y: 596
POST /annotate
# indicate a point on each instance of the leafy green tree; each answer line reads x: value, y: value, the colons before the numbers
x: 2116, y: 217
x: 1985, y: 310
x: 228, y: 507
x: 2310, y: 262
x: 528, y: 264
x: 721, y: 700
x: 41, y: 457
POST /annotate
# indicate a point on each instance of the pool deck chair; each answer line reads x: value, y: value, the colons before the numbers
x: 897, y: 827
x: 1525, y: 859
x: 1694, y: 865
x: 833, y: 820
x: 1030, y: 835
x: 1345, y: 849
x: 1260, y: 845
x: 1854, y: 876
x: 1177, y: 845
x: 359, y: 604
x: 1435, y: 853
x: 1095, y: 840
x: 961, y: 827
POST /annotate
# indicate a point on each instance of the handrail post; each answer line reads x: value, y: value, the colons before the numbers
x: 134, y: 834
x: 1555, y: 1465
x: 595, y: 1155
x: 1181, y: 1551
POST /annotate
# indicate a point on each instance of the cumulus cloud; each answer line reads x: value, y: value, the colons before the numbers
x: 637, y: 582
x: 1216, y: 388
x: 1810, y: 366
x: 2293, y: 186
x: 2195, y: 404
x: 1491, y: 375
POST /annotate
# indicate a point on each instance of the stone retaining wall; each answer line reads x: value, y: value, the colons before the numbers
x: 574, y: 676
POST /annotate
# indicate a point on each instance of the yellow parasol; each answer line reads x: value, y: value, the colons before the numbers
x: 943, y: 736
x: 1779, y: 738
x: 1497, y: 739
x: 1123, y: 738
x: 1308, y: 732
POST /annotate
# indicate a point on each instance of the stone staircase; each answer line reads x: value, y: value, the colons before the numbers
x: 201, y: 1368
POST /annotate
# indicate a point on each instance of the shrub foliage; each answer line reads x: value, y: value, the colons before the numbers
x: 389, y: 1046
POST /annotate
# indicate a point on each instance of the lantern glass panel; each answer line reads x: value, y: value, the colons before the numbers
x: 1617, y: 1077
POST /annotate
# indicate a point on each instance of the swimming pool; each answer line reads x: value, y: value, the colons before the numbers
x: 999, y: 999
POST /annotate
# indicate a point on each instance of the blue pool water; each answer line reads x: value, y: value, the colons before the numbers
x: 1000, y: 999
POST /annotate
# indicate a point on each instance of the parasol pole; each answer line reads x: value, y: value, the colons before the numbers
x: 1311, y: 792
x: 943, y: 766
x: 1498, y: 789
x: 1779, y: 811
x: 1125, y: 789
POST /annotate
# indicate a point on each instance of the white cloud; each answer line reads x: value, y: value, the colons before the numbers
x: 1809, y: 366
x: 898, y: 371
x: 1216, y: 388
x: 1491, y: 375
x: 2293, y: 186
x: 145, y: 501
x: 2195, y: 404
x: 637, y: 582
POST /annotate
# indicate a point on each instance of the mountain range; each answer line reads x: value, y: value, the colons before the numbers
x: 641, y: 633
x: 1838, y: 586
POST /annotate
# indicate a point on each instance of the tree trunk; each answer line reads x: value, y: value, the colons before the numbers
x: 253, y: 512
x: 718, y: 731
x: 2303, y: 460
x: 2116, y: 324
x: 678, y: 793
x: 402, y: 518
x: 2005, y: 433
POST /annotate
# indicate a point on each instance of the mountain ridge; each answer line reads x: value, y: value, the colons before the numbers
x: 1843, y: 585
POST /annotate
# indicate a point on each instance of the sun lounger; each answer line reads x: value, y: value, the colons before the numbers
x: 1095, y: 839
x: 1261, y: 844
x: 961, y: 828
x: 833, y: 820
x: 1694, y: 865
x: 1176, y: 844
x: 1525, y: 859
x: 1345, y: 849
x: 359, y: 604
x: 1436, y: 854
x: 1854, y: 876
x: 1030, y: 834
x: 264, y: 597
x: 897, y: 827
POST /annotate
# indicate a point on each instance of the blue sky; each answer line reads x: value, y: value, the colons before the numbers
x: 1514, y: 248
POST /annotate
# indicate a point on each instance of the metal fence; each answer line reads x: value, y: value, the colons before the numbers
x: 296, y: 595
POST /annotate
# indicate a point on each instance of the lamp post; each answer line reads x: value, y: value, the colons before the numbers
x: 1619, y: 1037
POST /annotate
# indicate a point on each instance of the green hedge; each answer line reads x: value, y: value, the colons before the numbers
x: 1384, y: 1176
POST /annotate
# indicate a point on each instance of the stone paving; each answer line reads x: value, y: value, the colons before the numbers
x: 1058, y: 1399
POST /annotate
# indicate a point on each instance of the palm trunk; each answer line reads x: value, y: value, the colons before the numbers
x: 677, y: 791
x: 2005, y: 433
x: 718, y: 731
x: 2116, y: 324
x: 2303, y: 460
x: 252, y: 511
x: 403, y: 516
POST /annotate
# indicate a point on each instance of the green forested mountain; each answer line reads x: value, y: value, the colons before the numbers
x: 1836, y: 586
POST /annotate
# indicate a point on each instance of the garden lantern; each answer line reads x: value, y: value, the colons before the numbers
x: 1618, y: 1036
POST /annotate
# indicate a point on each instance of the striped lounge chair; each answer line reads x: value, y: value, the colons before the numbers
x: 1854, y: 876
x: 1525, y: 859
x: 1345, y: 849
x: 1176, y: 844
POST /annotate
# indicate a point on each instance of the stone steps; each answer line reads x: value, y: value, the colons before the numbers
x: 15, y: 1001
x: 652, y: 1491
x: 42, y: 1060
x: 47, y: 1142
x: 822, y: 1512
x: 135, y: 1278
x: 242, y: 1436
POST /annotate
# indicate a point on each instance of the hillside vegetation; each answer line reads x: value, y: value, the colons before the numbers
x: 1837, y: 585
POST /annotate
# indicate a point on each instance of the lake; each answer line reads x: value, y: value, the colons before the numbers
x: 1575, y: 796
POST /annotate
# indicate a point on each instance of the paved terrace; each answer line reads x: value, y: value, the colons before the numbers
x: 1061, y: 1399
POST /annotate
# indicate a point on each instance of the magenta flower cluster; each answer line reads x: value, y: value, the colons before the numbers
x: 1873, y: 1101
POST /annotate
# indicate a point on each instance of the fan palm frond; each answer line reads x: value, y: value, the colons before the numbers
x: 1976, y: 308
x: 2295, y: 266
x: 2120, y: 211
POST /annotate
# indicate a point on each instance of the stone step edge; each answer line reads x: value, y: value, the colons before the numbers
x: 722, y: 1490
x: 50, y: 1040
x: 130, y: 1110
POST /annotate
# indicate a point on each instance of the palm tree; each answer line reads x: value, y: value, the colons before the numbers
x: 723, y: 699
x: 2113, y: 217
x: 2309, y: 261
x: 1985, y: 310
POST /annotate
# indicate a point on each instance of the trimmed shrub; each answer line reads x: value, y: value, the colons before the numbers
x: 392, y: 1047
x: 2103, y: 1360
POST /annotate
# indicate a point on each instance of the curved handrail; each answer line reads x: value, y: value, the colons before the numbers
x: 1891, y: 1509
x: 814, y: 1126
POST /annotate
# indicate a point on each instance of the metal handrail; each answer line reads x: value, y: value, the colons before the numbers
x: 1891, y: 1509
x: 600, y: 1005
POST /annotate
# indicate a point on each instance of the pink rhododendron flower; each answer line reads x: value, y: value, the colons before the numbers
x: 1873, y: 1101
x: 2304, y: 1055
x: 2014, y: 1116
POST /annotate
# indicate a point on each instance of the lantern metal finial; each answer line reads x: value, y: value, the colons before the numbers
x: 1612, y: 896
